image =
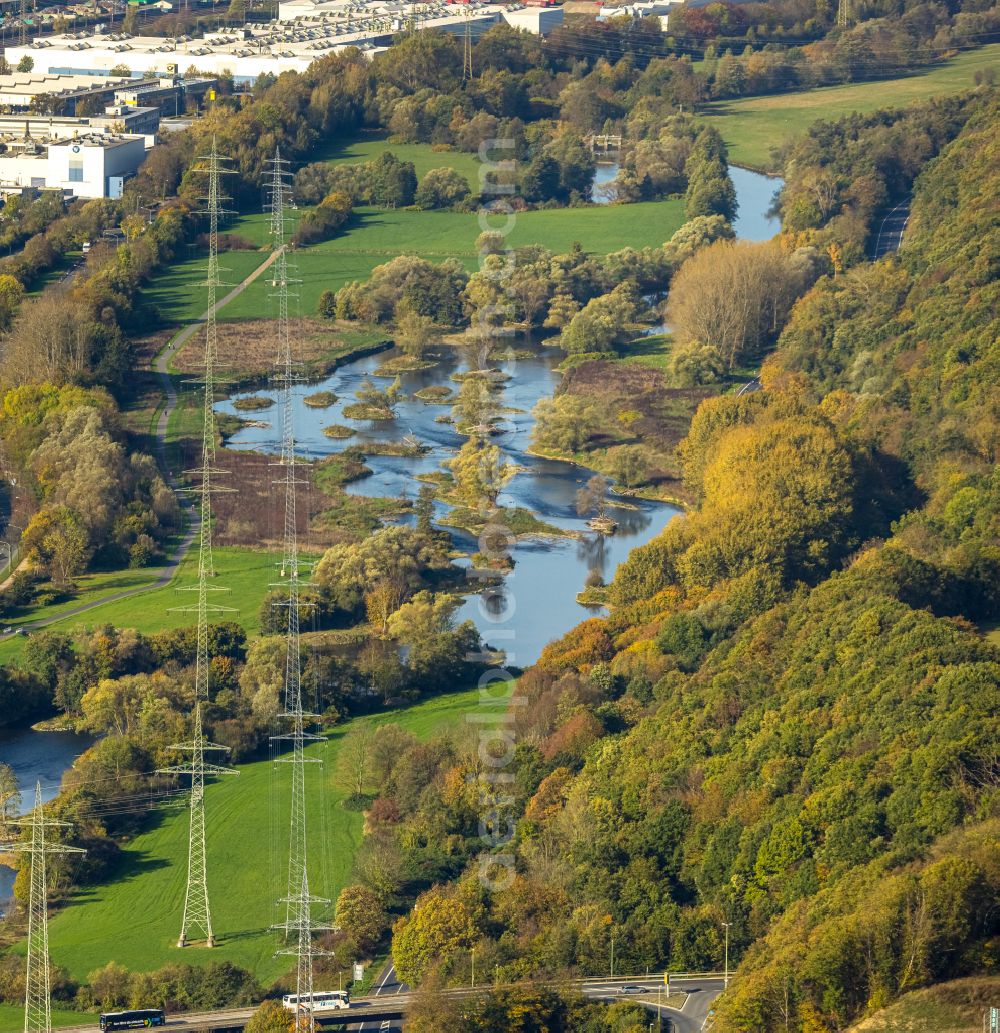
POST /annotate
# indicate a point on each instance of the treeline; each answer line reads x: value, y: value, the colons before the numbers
x: 841, y: 175
x: 590, y: 299
x: 219, y: 984
x: 787, y: 724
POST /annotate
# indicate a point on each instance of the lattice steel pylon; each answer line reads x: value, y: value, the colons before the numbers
x: 843, y: 13
x: 298, y: 925
x: 196, y: 922
x: 304, y: 950
x: 467, y: 50
x: 37, y: 989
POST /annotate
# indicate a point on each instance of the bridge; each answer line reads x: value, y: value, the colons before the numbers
x: 386, y: 1012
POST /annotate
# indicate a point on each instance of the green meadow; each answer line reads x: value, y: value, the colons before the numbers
x: 369, y: 146
x: 753, y: 126
x: 12, y: 1018
x: 245, y: 573
x: 375, y: 235
x: 134, y: 918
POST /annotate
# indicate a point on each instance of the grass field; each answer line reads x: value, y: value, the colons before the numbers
x: 424, y: 157
x: 374, y: 236
x: 246, y: 573
x: 12, y: 1018
x: 135, y: 918
x: 752, y: 127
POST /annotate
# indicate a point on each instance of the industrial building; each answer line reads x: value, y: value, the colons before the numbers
x: 58, y: 93
x: 309, y: 30
x: 114, y: 121
x: 95, y: 165
x: 641, y: 9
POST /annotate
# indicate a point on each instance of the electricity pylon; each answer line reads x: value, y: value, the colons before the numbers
x: 302, y: 948
x: 467, y: 58
x: 37, y: 988
x: 298, y: 925
x: 843, y: 13
x: 196, y: 922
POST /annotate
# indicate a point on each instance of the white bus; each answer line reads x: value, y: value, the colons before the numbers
x: 322, y: 1000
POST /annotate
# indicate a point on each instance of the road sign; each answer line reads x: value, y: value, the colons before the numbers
x: 359, y: 972
x: 994, y: 1016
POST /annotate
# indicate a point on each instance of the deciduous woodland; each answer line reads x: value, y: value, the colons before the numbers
x: 779, y: 735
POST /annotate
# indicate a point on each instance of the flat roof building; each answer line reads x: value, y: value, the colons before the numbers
x: 95, y: 165
x: 308, y: 30
x: 20, y: 91
x: 113, y: 122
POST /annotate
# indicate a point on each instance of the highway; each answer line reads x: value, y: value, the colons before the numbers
x: 383, y: 1010
x: 890, y: 232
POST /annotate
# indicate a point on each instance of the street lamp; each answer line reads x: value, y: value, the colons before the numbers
x: 612, y: 957
x: 725, y: 979
x: 473, y: 952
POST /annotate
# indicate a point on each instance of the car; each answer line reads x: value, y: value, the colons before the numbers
x: 632, y: 988
x: 7, y: 631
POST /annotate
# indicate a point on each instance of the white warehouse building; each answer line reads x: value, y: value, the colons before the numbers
x: 314, y: 29
x: 86, y: 166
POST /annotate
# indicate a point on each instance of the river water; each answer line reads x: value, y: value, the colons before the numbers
x: 754, y: 195
x: 537, y: 602
x: 37, y: 757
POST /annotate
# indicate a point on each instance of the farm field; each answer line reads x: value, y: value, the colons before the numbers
x: 134, y: 919
x: 374, y: 236
x: 753, y: 126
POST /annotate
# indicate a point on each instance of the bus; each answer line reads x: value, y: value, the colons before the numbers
x: 138, y: 1019
x: 322, y: 1000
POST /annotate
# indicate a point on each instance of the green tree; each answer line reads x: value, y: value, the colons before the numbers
x: 441, y: 188
x: 437, y: 928
x: 361, y: 915
x: 414, y: 332
x: 480, y: 472
x: 565, y: 423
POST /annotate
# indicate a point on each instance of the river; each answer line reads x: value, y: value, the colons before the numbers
x: 754, y: 197
x: 537, y: 602
x: 37, y: 757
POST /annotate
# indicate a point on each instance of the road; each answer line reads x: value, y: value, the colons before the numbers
x: 387, y: 985
x: 890, y: 233
x: 161, y: 366
x: 383, y: 1010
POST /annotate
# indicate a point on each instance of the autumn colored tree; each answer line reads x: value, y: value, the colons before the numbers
x: 438, y: 927
x: 271, y: 1017
x: 361, y: 915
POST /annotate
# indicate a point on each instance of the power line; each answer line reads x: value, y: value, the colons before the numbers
x: 197, y: 916
x: 298, y: 925
x: 37, y: 982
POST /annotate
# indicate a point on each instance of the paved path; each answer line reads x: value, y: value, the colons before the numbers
x: 890, y: 232
x: 161, y: 366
